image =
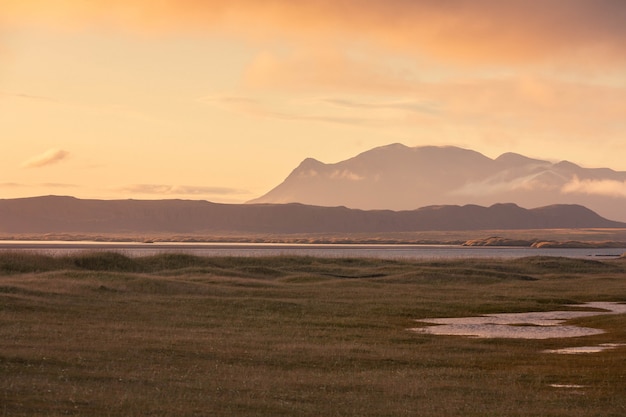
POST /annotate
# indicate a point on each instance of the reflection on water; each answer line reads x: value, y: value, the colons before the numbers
x: 535, y: 325
x: 383, y: 251
x: 568, y: 386
x: 585, y: 349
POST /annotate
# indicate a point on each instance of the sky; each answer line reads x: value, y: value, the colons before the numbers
x: 220, y: 99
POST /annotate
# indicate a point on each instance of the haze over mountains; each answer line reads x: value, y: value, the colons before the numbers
x: 398, y: 177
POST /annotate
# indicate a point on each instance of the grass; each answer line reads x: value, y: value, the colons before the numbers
x: 105, y: 335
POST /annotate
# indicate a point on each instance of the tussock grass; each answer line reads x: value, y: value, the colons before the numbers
x: 101, y: 334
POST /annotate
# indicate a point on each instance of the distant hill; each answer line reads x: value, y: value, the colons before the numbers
x: 398, y: 177
x: 53, y: 214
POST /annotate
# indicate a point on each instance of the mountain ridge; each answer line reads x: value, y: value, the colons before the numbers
x: 399, y: 177
x: 62, y: 214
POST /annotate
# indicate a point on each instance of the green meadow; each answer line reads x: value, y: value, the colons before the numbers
x: 101, y: 334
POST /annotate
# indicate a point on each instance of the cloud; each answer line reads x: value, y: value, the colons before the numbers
x: 46, y: 185
x: 563, y: 112
x: 290, y: 111
x: 326, y: 68
x: 27, y: 96
x: 404, y: 105
x: 10, y: 185
x: 240, y: 104
x: 334, y: 175
x: 610, y: 188
x: 346, y: 175
x: 533, y: 177
x: 49, y: 157
x: 57, y: 185
x: 521, y: 103
x: 165, y: 189
x: 486, y: 31
x: 491, y: 186
x: 311, y: 173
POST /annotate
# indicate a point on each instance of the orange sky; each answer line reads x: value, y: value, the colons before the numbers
x: 219, y: 99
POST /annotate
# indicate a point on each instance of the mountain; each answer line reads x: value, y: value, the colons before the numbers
x: 54, y: 214
x: 398, y: 177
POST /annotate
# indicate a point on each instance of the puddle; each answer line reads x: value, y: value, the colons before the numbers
x: 534, y: 325
x: 585, y: 349
x: 571, y: 386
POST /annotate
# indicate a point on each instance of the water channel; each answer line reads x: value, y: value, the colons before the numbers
x: 383, y: 251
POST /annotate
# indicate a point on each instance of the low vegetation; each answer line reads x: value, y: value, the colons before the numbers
x: 102, y: 334
x: 524, y: 237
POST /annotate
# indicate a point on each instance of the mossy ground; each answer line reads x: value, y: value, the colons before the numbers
x: 105, y: 335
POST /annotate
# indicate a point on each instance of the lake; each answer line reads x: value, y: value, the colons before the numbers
x: 386, y: 251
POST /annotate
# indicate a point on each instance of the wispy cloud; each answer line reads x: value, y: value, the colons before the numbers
x: 610, y: 188
x: 241, y: 104
x: 46, y: 185
x: 49, y: 157
x: 166, y: 189
x: 490, y: 187
x: 57, y: 185
x: 342, y: 111
x: 286, y: 111
x: 328, y: 69
x: 10, y: 185
x: 346, y: 175
x: 25, y: 96
x: 324, y: 118
x: 531, y: 178
x: 517, y: 104
x: 405, y: 105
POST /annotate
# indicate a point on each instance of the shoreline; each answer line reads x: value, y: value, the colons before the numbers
x: 541, y: 239
x: 317, y: 250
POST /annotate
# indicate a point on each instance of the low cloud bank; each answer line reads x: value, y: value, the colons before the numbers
x: 611, y: 188
x: 180, y: 189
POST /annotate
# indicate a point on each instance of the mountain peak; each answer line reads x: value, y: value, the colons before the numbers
x: 310, y: 163
x: 396, y: 145
x: 512, y: 159
x: 567, y: 165
x: 398, y: 177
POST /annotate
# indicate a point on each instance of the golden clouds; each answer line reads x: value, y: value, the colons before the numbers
x: 479, y: 31
x: 334, y: 76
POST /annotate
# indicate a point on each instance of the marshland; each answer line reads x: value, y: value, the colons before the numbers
x: 103, y: 334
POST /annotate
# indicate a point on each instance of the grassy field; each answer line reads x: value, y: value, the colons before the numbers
x: 176, y: 335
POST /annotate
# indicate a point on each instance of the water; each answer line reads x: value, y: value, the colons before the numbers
x: 532, y: 325
x: 383, y: 251
x: 577, y: 350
